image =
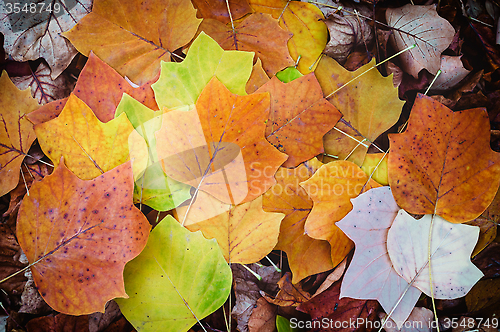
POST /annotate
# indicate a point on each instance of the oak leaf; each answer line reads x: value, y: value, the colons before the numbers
x: 443, y: 164
x: 32, y: 35
x: 180, y: 84
x: 370, y: 276
x: 258, y: 33
x: 331, y: 188
x: 370, y: 106
x: 218, y: 9
x: 245, y: 233
x: 220, y: 147
x: 411, y: 26
x: 101, y: 88
x: 305, y: 22
x: 306, y: 256
x: 299, y: 118
x: 178, y: 279
x: 89, y: 147
x: 16, y: 132
x: 78, y: 235
x: 120, y: 33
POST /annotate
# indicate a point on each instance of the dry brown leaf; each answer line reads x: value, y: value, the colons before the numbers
x: 332, y: 277
x: 289, y: 294
x: 452, y: 73
x: 411, y: 26
x: 263, y: 317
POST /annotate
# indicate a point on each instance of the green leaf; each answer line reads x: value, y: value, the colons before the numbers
x: 288, y: 74
x: 179, y: 275
x: 284, y: 325
x: 180, y: 84
x: 153, y: 188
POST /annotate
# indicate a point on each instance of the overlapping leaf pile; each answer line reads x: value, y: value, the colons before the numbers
x: 227, y: 141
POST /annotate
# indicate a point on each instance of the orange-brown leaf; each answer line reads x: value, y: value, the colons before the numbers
x: 78, y: 235
x: 331, y: 189
x: 133, y: 36
x: 258, y: 33
x: 217, y: 9
x: 101, y: 88
x: 299, y: 118
x: 220, y: 147
x: 443, y: 164
x: 306, y: 256
x: 16, y: 132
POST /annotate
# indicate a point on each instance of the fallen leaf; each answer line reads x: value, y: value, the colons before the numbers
x: 218, y: 9
x: 288, y: 74
x: 258, y: 78
x: 370, y: 106
x: 245, y: 233
x: 39, y: 34
x: 180, y: 266
x: 43, y: 88
x: 58, y: 323
x: 453, y: 274
x: 331, y: 188
x: 332, y: 278
x: 152, y: 186
x: 258, y: 33
x: 487, y: 232
x: 247, y: 290
x: 16, y: 133
x: 89, y: 147
x: 220, y: 147
x: 180, y: 84
x: 305, y: 22
x: 263, y: 317
x: 299, y: 118
x: 339, y: 313
x: 420, y: 320
x: 121, y: 33
x: 375, y: 168
x: 10, y: 256
x: 101, y: 88
x: 306, y: 256
x: 284, y: 325
x: 76, y: 247
x: 483, y: 295
x: 443, y: 164
x: 370, y: 276
x: 452, y: 73
x: 101, y: 321
x: 488, y: 260
x: 347, y: 31
x: 411, y: 26
x: 289, y: 294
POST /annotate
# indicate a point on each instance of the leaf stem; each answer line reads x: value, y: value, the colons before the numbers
x: 434, y: 80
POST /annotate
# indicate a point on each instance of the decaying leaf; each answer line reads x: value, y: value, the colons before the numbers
x: 411, y: 26
x: 16, y: 132
x: 452, y: 72
x: 370, y: 276
x: 76, y: 241
x: 258, y: 33
x: 178, y: 279
x: 443, y: 164
x: 453, y: 274
x: 289, y: 294
x: 420, y: 320
x: 306, y: 256
x: 116, y: 32
x: 31, y: 35
x: 299, y: 118
x: 347, y: 31
x: 220, y: 147
x: 43, y: 88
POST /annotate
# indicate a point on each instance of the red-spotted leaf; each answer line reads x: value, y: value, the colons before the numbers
x: 78, y: 235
